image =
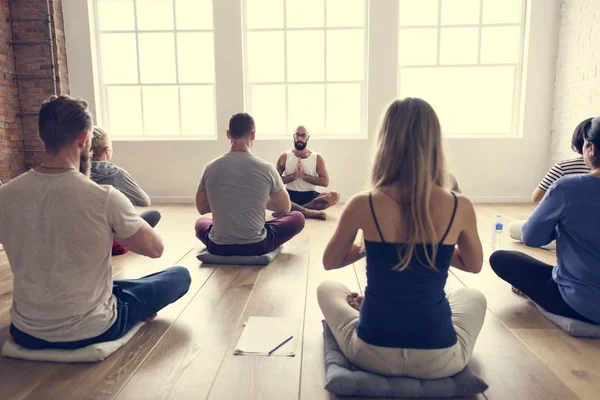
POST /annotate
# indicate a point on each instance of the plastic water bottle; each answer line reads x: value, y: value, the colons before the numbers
x: 497, y: 233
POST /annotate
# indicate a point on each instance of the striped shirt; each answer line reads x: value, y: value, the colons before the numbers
x: 575, y: 166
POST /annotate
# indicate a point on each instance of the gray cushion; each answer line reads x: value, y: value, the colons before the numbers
x: 207, y: 258
x: 572, y: 326
x: 344, y: 379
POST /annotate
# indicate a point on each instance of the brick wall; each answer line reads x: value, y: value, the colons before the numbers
x: 11, y: 145
x: 577, y: 85
x: 27, y: 77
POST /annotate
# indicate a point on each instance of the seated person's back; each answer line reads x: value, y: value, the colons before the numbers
x: 238, y: 186
x: 57, y: 230
x: 570, y: 212
x: 417, y: 292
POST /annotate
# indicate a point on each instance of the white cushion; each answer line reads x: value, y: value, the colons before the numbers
x: 92, y: 353
x: 572, y: 326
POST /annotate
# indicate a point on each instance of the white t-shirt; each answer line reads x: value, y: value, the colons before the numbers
x: 57, y: 231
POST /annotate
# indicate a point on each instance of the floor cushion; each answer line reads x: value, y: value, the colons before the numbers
x: 208, y: 258
x: 92, y: 353
x: 572, y: 326
x: 344, y: 379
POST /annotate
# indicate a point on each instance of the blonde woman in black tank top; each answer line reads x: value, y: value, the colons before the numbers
x: 414, y: 230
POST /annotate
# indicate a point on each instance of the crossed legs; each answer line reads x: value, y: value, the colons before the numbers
x: 314, y: 208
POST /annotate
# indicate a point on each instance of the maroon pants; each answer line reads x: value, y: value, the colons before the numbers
x: 279, y: 231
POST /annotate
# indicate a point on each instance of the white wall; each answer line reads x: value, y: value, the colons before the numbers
x: 488, y: 170
x: 577, y: 91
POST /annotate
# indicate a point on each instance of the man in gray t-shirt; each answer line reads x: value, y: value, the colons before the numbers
x: 236, y: 188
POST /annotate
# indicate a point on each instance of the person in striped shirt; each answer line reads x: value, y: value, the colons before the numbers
x: 574, y: 166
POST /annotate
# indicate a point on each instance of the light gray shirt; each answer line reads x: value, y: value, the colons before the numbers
x: 238, y: 186
x: 57, y: 231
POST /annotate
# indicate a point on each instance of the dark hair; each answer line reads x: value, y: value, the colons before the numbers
x: 577, y: 140
x: 61, y: 120
x: 240, y: 125
x: 591, y: 134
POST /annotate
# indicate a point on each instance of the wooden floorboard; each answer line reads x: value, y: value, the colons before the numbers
x: 279, y: 292
x: 188, y: 351
x: 173, y: 371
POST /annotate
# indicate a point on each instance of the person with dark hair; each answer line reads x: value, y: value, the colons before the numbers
x: 573, y: 166
x: 104, y: 172
x: 570, y: 214
x: 302, y: 171
x: 57, y: 227
x: 236, y: 188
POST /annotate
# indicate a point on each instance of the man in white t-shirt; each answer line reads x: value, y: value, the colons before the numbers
x: 302, y: 171
x: 57, y: 227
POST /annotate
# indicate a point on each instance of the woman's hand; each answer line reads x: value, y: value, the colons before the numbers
x: 355, y: 300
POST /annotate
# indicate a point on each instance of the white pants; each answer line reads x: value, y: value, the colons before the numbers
x: 468, y: 312
x: 515, y: 229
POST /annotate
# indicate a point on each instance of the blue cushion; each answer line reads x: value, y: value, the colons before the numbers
x: 344, y: 379
x: 572, y: 326
x: 207, y: 258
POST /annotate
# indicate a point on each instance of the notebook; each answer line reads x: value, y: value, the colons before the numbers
x: 263, y: 334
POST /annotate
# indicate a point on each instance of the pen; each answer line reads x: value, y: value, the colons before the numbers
x: 284, y: 342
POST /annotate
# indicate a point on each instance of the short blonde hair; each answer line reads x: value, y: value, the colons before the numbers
x: 100, y: 140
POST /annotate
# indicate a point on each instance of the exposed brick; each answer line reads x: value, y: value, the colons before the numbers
x: 11, y: 145
x: 577, y: 83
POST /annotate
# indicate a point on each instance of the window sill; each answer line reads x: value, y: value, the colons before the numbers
x: 164, y: 139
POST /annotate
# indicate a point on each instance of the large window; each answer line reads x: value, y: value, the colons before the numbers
x: 156, y: 67
x: 305, y: 64
x: 465, y: 58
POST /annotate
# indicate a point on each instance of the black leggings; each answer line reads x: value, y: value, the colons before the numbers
x: 534, y: 279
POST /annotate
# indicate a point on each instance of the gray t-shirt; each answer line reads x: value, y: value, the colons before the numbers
x: 238, y: 186
x: 57, y: 231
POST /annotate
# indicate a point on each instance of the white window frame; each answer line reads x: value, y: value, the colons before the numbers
x: 363, y: 130
x: 102, y: 87
x: 518, y: 66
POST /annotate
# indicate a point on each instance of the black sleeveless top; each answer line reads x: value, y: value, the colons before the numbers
x: 407, y: 309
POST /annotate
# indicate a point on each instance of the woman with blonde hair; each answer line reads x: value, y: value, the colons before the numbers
x: 414, y: 230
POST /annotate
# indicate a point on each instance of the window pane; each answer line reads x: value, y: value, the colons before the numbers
x: 154, y: 14
x: 124, y: 108
x: 305, y: 13
x: 418, y: 12
x: 344, y: 109
x: 161, y: 110
x: 195, y: 57
x: 306, y: 105
x: 198, y: 111
x: 116, y: 15
x: 500, y: 44
x: 265, y: 57
x: 194, y: 14
x: 417, y: 46
x: 474, y: 100
x: 345, y: 13
x: 119, y: 59
x: 268, y: 109
x: 157, y: 57
x: 457, y: 12
x: 502, y: 11
x: 261, y: 14
x: 306, y: 59
x: 459, y: 46
x: 345, y: 55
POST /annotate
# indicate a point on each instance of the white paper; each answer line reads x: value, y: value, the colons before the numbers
x: 263, y: 334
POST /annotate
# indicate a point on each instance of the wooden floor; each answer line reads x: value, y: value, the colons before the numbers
x: 187, y: 353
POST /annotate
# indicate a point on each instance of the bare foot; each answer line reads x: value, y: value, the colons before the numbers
x: 150, y: 318
x: 315, y: 214
x: 517, y: 291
